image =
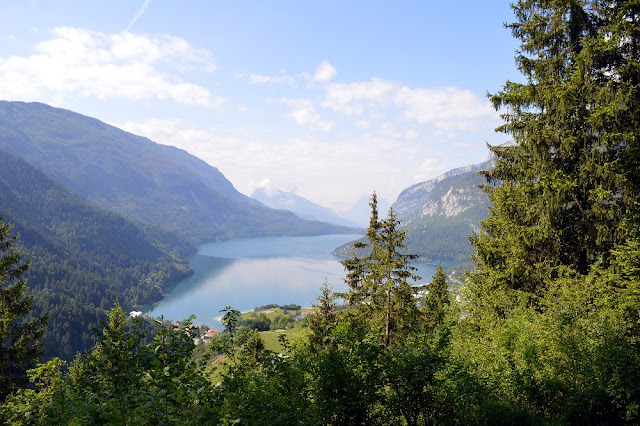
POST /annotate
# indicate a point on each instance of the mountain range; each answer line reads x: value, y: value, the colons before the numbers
x: 104, y: 215
x: 154, y: 184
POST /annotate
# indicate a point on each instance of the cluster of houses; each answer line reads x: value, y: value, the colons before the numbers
x: 206, y: 337
x: 202, y: 338
x: 302, y: 315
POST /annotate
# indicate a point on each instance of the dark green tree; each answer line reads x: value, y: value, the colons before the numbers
x: 19, y: 335
x: 436, y: 299
x: 551, y: 325
x: 325, y: 318
x: 560, y: 191
x: 358, y: 267
x: 230, y: 319
x: 379, y: 282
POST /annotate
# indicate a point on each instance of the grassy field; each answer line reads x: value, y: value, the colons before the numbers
x: 271, y: 338
x: 295, y: 330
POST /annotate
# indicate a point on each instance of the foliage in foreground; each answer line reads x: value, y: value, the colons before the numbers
x: 19, y: 335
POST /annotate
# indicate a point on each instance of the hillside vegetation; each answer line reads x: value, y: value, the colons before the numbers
x: 82, y: 258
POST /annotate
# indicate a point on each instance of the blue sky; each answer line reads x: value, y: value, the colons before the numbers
x: 330, y: 100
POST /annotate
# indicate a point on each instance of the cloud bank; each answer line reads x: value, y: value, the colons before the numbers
x: 82, y: 63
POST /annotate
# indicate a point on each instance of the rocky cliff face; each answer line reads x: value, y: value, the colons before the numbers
x: 441, y: 213
x: 446, y: 195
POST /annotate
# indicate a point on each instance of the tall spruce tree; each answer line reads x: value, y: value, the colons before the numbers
x: 571, y: 176
x: 379, y: 282
x: 19, y: 335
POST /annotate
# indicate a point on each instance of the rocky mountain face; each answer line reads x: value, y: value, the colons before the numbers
x: 440, y: 214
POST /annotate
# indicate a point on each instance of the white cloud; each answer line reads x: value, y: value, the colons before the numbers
x: 351, y: 98
x: 429, y: 169
x: 362, y: 124
x: 272, y: 189
x: 315, y: 166
x: 304, y: 114
x: 78, y: 62
x: 447, y: 109
x: 269, y: 79
x: 325, y: 72
x: 267, y: 186
x: 171, y: 132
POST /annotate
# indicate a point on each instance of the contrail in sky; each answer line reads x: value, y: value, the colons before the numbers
x: 138, y: 15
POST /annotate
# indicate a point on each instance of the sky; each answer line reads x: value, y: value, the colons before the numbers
x: 330, y: 100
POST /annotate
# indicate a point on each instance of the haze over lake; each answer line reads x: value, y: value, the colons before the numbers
x: 247, y: 273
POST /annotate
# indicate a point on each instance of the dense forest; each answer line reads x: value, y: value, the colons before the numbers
x: 546, y: 328
x: 82, y: 258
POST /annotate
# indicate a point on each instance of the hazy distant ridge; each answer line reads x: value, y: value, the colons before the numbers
x: 303, y: 208
x: 152, y: 183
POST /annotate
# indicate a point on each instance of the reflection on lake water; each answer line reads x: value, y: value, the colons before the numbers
x: 251, y: 272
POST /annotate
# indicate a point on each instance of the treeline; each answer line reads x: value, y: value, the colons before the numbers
x: 82, y: 258
x: 289, y: 307
x: 434, y: 238
x: 259, y: 321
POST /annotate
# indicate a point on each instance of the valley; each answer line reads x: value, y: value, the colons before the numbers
x: 320, y: 213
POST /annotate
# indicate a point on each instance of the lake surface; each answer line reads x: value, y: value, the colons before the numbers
x: 247, y: 273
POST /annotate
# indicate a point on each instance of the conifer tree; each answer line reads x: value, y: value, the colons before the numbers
x: 571, y: 174
x: 436, y: 299
x: 325, y: 318
x: 19, y: 335
x: 379, y: 282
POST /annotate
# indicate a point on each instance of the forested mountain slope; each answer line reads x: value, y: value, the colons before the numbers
x: 82, y: 258
x: 155, y: 184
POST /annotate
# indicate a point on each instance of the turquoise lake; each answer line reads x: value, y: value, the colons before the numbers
x: 247, y: 273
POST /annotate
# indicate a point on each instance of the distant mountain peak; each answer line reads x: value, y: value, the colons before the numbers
x: 277, y: 198
x: 440, y: 214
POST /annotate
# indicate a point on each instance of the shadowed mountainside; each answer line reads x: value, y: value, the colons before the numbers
x: 140, y: 179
